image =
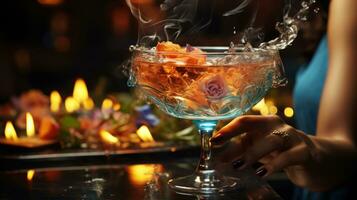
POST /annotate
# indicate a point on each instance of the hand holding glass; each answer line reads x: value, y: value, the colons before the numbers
x: 224, y: 84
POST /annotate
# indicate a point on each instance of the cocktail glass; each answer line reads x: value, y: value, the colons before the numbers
x: 216, y: 84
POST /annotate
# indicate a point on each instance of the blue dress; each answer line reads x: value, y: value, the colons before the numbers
x: 308, y: 89
x: 307, y: 93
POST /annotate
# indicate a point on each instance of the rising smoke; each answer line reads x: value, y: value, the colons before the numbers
x: 195, y: 20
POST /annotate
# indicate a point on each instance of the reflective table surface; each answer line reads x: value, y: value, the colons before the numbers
x: 120, y: 181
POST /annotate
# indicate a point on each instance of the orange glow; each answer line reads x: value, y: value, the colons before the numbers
x: 30, y: 125
x: 56, y: 100
x: 108, y: 137
x: 141, y: 174
x: 59, y: 23
x: 71, y: 104
x: 30, y: 174
x: 10, y: 132
x: 144, y: 134
x: 50, y: 2
x: 62, y: 43
x: 88, y: 104
x: 120, y: 21
x: 80, y: 91
x: 52, y: 176
x: 273, y: 110
x: 117, y: 107
x: 107, y: 104
x: 138, y: 2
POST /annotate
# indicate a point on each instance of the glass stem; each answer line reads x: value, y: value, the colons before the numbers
x: 205, y: 129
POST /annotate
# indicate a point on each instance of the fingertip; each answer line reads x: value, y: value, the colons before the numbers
x: 217, y: 140
x: 261, y: 172
x: 269, y: 169
x: 238, y: 164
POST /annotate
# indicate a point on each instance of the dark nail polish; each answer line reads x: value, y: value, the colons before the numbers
x: 261, y: 172
x: 216, y: 139
x: 257, y: 165
x: 238, y: 163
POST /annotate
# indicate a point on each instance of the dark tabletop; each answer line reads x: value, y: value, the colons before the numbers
x: 141, y: 177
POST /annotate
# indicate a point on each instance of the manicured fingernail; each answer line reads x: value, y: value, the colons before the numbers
x: 238, y: 163
x: 261, y: 172
x: 257, y: 165
x: 217, y: 139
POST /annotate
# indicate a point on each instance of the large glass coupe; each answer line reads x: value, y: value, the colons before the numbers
x: 206, y: 85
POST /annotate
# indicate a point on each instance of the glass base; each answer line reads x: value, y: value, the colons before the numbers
x: 203, y: 183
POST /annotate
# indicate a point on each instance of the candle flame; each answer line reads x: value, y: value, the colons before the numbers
x: 55, y: 99
x: 10, y: 132
x: 117, y: 107
x: 108, y: 137
x: 88, y: 104
x: 144, y: 134
x: 30, y: 125
x: 30, y: 174
x: 107, y: 104
x: 71, y: 104
x: 80, y: 91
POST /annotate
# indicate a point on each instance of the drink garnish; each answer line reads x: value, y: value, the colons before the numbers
x: 175, y: 53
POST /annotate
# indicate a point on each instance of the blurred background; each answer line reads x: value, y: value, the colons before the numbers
x: 47, y: 44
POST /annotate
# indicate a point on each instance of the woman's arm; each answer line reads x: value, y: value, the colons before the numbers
x: 316, y: 162
x: 338, y: 108
x: 337, y: 120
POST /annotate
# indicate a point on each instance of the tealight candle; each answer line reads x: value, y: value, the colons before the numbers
x: 80, y: 91
x: 56, y: 100
x: 11, y: 138
x: 10, y: 132
x: 30, y: 125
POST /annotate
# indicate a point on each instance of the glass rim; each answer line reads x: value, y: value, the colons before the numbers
x: 212, y: 50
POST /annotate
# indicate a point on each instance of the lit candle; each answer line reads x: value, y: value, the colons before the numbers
x: 30, y: 125
x: 71, y: 104
x: 55, y: 99
x: 144, y: 134
x: 107, y: 104
x: 88, y: 104
x: 10, y: 133
x: 108, y: 137
x: 12, y: 139
x: 80, y: 91
x: 117, y: 107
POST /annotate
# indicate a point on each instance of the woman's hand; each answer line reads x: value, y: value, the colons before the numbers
x: 278, y: 146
